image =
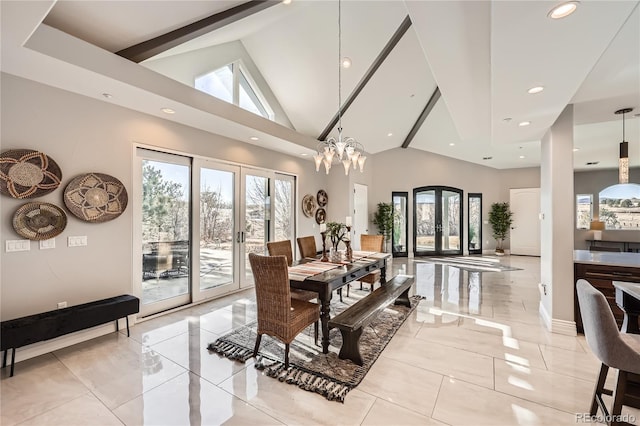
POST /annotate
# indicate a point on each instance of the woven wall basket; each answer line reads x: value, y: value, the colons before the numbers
x: 39, y: 221
x: 25, y: 173
x: 95, y: 197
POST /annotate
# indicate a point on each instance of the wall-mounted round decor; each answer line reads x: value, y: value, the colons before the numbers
x: 323, y: 198
x: 39, y: 221
x: 25, y: 173
x: 321, y: 216
x: 95, y: 197
x: 308, y: 205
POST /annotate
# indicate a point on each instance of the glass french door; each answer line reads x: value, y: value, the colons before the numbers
x: 474, y: 238
x: 437, y: 221
x: 400, y: 223
x: 197, y: 220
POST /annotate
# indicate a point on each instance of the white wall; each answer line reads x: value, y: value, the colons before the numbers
x: 84, y: 135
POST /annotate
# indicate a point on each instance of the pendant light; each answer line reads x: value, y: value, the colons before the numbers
x: 623, y: 161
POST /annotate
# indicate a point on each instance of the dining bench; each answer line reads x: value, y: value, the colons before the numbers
x: 356, y: 317
x: 30, y: 329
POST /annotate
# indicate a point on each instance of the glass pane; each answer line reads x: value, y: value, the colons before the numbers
x: 284, y: 210
x: 218, y: 83
x: 248, y: 98
x: 425, y: 221
x: 584, y: 210
x: 450, y: 220
x: 216, y: 228
x: 475, y: 223
x: 257, y: 210
x: 165, y: 230
x: 399, y: 223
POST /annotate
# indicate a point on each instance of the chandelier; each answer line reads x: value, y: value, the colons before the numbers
x: 344, y: 149
x: 623, y: 161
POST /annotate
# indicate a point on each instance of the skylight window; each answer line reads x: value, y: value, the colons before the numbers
x: 233, y: 84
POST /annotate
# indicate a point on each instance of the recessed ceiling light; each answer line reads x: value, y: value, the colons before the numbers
x: 522, y: 156
x: 107, y: 95
x: 487, y: 158
x: 524, y: 123
x: 254, y: 138
x: 168, y: 111
x: 452, y: 144
x: 286, y: 1
x: 389, y: 134
x: 535, y: 90
x: 576, y: 149
x: 563, y: 10
x: 346, y: 62
x: 304, y: 154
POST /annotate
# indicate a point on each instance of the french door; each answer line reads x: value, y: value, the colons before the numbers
x: 197, y: 220
x: 437, y: 220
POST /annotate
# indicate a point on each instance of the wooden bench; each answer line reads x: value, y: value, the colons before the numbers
x: 354, y: 319
x: 24, y: 331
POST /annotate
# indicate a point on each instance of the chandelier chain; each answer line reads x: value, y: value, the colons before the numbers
x: 340, y: 67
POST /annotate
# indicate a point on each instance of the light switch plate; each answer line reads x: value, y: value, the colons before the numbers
x: 17, y: 245
x: 77, y: 241
x: 48, y: 244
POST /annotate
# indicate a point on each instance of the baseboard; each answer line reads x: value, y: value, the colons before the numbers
x: 546, y: 318
x: 568, y: 328
x: 41, y: 348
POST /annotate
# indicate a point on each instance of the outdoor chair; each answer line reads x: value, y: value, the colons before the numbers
x: 614, y: 349
x: 283, y: 248
x: 279, y: 315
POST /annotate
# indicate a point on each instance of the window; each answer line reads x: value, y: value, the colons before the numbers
x: 620, y: 207
x: 584, y: 210
x: 233, y: 84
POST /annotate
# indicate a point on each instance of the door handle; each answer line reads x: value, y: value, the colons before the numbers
x: 238, y: 237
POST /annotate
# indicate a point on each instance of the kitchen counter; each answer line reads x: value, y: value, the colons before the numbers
x: 605, y: 258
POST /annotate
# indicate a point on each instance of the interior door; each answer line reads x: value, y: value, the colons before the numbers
x: 360, y: 213
x: 524, y: 238
x: 437, y: 221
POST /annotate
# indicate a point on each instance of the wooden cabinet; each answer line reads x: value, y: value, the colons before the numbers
x: 601, y: 277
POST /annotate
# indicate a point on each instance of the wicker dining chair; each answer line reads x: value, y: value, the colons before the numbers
x: 283, y: 248
x: 279, y: 315
x: 307, y: 246
x: 371, y: 243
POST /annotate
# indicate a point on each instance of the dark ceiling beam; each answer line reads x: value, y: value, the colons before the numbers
x: 423, y: 116
x: 147, y: 49
x: 393, y: 41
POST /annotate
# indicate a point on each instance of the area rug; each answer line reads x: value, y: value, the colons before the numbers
x: 471, y: 263
x: 309, y: 368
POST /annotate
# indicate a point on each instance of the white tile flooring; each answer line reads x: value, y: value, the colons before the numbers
x: 474, y: 352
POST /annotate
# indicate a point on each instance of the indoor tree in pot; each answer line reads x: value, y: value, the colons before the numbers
x: 500, y: 219
x: 383, y: 219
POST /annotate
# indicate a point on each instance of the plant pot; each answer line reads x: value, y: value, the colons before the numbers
x: 499, y: 252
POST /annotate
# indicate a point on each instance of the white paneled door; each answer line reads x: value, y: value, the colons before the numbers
x: 525, y: 230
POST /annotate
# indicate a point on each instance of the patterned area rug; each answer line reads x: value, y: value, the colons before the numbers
x: 470, y: 263
x: 309, y: 368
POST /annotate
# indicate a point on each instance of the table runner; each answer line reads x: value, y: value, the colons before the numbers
x: 305, y: 270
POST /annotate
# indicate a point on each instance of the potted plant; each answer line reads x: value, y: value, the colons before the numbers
x: 336, y: 232
x: 383, y: 219
x: 500, y: 219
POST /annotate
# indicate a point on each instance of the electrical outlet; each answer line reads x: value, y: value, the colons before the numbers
x: 62, y: 305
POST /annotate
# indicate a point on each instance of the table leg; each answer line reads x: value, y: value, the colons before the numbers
x: 325, y: 302
x: 383, y: 273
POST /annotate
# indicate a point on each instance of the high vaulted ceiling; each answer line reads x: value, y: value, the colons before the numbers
x: 482, y: 55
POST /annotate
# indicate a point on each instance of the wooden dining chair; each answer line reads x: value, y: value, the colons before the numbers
x: 371, y: 243
x: 279, y: 315
x: 283, y: 248
x: 613, y: 348
x: 307, y: 246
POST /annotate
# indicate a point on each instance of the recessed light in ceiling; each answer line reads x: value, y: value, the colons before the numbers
x: 346, y: 62
x: 389, y: 134
x: 535, y: 90
x: 304, y: 154
x: 524, y: 123
x: 592, y: 163
x: 254, y: 138
x: 167, y: 111
x: 452, y: 144
x: 487, y: 158
x: 286, y: 1
x: 576, y: 149
x: 522, y: 156
x: 563, y: 10
x: 107, y: 95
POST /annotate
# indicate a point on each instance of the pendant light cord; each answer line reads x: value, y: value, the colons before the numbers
x: 623, y: 127
x: 339, y: 71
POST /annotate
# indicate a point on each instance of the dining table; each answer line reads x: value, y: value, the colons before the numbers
x: 325, y: 277
x: 628, y: 299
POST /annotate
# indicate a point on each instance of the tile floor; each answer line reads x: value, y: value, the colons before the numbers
x: 474, y: 352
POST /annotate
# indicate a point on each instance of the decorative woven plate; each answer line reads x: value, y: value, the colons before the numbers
x: 308, y: 205
x: 95, y: 197
x: 39, y: 221
x: 321, y: 216
x: 25, y: 173
x: 323, y: 198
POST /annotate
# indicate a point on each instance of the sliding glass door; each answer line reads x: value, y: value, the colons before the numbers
x: 197, y: 220
x: 437, y: 221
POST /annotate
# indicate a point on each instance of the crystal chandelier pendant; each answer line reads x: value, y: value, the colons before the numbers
x: 347, y: 165
x: 361, y: 161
